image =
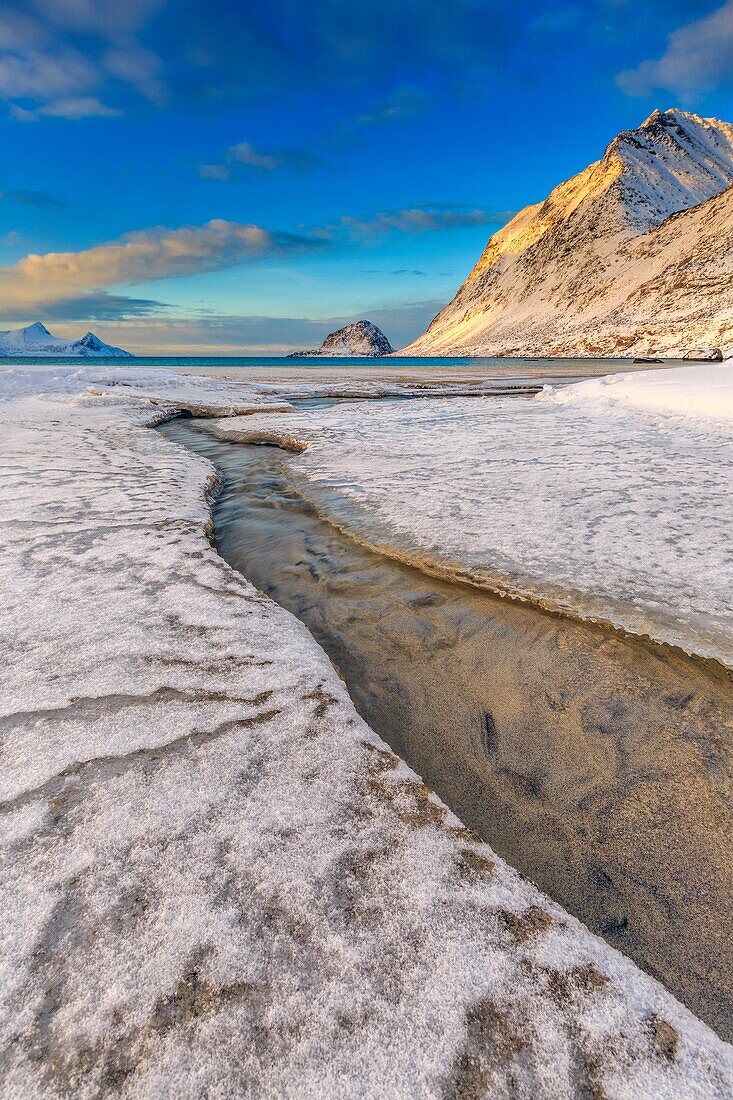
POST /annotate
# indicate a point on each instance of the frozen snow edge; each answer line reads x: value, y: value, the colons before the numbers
x: 694, y: 618
x: 606, y: 500
x: 626, y: 621
x: 703, y: 391
x: 358, y: 525
x: 215, y: 877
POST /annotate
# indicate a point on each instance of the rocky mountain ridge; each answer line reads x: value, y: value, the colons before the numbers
x: 629, y: 257
x: 358, y: 338
x: 35, y: 339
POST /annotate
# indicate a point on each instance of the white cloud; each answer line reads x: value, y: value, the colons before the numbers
x: 36, y: 74
x: 102, y: 17
x: 44, y: 73
x: 146, y: 255
x: 138, y: 67
x: 243, y: 153
x: 75, y: 107
x: 698, y: 56
x: 401, y: 104
x: 221, y: 172
x: 417, y: 219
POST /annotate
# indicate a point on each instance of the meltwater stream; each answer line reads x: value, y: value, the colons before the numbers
x: 597, y: 765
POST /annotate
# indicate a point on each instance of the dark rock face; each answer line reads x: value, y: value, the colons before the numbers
x: 359, y: 338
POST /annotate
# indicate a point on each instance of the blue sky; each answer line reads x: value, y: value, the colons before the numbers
x: 228, y: 177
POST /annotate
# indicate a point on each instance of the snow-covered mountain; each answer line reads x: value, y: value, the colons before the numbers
x: 634, y: 255
x: 359, y: 338
x: 37, y: 340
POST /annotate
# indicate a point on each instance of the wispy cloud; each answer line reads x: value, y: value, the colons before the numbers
x: 220, y: 172
x: 146, y: 255
x: 416, y: 219
x: 396, y: 271
x: 401, y: 104
x: 38, y: 281
x: 30, y: 70
x: 243, y: 155
x: 216, y: 52
x: 32, y: 198
x: 697, y: 58
x: 138, y: 67
x: 97, y: 16
x: 83, y: 284
x: 337, y: 46
x: 85, y: 309
x: 76, y: 107
x: 59, y: 57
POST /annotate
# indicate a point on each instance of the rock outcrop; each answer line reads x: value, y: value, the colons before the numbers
x: 630, y: 257
x: 359, y: 338
x: 705, y: 355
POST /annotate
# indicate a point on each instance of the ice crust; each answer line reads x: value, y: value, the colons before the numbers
x: 704, y: 391
x: 610, y: 498
x: 216, y: 880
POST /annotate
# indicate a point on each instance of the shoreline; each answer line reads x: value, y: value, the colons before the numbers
x: 577, y: 604
x: 486, y: 581
x: 626, y: 672
x: 221, y: 866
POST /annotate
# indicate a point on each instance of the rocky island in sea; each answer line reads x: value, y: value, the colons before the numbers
x: 359, y: 338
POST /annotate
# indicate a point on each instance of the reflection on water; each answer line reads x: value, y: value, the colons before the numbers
x: 596, y: 765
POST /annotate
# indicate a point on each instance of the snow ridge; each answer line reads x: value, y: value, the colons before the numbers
x: 35, y: 340
x: 590, y: 271
x: 674, y: 161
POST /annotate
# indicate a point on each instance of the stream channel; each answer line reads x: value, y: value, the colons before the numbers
x: 597, y: 764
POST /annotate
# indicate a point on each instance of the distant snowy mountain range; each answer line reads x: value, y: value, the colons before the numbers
x: 37, y: 340
x: 630, y: 257
x: 359, y: 338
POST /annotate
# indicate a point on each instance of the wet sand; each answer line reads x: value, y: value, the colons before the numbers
x: 425, y: 373
x: 598, y: 765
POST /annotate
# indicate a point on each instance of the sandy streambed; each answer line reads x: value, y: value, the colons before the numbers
x: 598, y: 765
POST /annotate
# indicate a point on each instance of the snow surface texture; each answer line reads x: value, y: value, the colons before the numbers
x: 35, y: 339
x: 610, y: 498
x: 630, y: 257
x: 216, y: 880
x: 299, y: 383
x: 691, y: 391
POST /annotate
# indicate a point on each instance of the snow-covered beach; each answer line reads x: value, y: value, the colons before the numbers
x: 610, y: 498
x: 217, y: 879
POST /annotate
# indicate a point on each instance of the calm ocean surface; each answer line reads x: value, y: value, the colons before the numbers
x: 525, y: 367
